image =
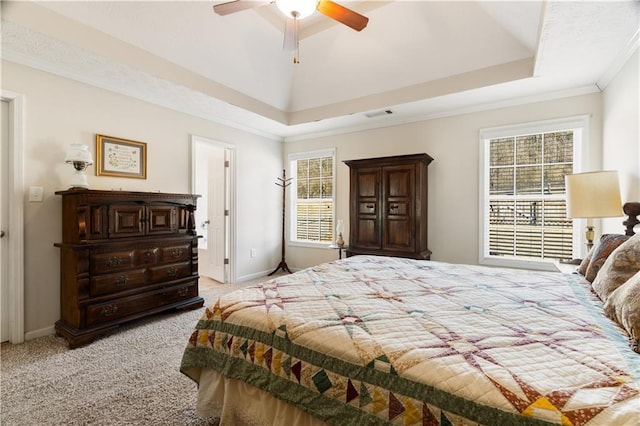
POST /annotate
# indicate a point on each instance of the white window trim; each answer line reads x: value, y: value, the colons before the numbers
x: 292, y: 200
x: 577, y: 123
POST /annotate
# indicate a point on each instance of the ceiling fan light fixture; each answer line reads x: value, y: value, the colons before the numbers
x: 297, y: 8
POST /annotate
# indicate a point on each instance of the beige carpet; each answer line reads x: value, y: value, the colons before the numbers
x: 131, y: 377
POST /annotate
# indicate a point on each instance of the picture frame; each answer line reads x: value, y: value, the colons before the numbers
x: 119, y: 157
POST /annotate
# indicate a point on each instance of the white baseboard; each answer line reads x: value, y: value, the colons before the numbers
x: 263, y: 274
x: 47, y: 331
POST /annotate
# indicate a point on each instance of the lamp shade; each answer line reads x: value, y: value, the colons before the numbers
x: 593, y: 195
x: 78, y: 153
x: 80, y: 157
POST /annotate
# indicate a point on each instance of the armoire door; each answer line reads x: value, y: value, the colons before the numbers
x: 398, y: 207
x: 366, y: 187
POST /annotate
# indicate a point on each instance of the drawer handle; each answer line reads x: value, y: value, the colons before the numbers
x: 109, y: 310
x: 183, y: 291
x: 370, y: 206
x: 122, y: 280
x: 172, y: 272
x: 175, y: 253
x: 393, y: 206
x: 114, y: 261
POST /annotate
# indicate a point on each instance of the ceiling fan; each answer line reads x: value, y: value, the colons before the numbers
x: 295, y: 10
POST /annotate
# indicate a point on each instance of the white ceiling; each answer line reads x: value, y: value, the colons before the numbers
x: 418, y: 59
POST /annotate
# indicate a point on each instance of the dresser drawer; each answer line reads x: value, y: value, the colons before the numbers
x: 169, y: 272
x: 148, y: 256
x: 120, y: 308
x: 176, y: 253
x: 112, y: 261
x: 112, y: 283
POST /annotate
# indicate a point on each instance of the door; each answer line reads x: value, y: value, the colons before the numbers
x: 366, y: 232
x: 4, y: 213
x: 212, y: 175
x: 398, y: 199
x: 12, y: 177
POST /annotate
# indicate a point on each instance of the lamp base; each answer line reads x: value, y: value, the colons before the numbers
x: 589, y: 235
x: 79, y: 180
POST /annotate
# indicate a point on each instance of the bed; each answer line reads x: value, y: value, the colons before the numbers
x: 372, y: 340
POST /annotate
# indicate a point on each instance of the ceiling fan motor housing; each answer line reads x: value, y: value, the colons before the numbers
x: 297, y: 8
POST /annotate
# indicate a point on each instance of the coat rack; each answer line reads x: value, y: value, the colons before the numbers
x: 283, y: 182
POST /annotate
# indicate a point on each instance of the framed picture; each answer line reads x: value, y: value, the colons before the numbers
x: 120, y: 157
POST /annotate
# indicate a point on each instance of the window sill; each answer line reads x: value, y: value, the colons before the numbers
x: 309, y: 244
x: 535, y: 265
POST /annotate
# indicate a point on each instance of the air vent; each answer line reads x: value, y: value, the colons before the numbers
x: 378, y: 113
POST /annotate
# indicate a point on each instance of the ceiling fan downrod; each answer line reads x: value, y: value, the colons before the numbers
x: 292, y: 37
x: 295, y: 10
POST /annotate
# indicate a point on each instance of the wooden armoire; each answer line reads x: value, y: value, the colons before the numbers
x: 124, y: 255
x: 388, y: 206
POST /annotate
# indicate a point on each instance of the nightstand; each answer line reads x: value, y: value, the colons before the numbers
x: 339, y: 248
x: 566, y: 268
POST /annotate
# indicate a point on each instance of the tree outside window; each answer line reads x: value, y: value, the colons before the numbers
x: 313, y: 198
x: 523, y: 201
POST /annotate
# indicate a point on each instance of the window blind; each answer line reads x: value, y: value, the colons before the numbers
x: 526, y: 196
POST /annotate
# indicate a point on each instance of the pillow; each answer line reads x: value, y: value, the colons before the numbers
x: 600, y: 253
x: 623, y: 306
x: 582, y: 269
x: 621, y: 265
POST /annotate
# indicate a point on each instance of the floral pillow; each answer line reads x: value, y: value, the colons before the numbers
x: 600, y: 253
x: 623, y: 306
x: 582, y: 269
x: 621, y: 265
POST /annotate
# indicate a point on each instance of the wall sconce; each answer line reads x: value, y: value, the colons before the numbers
x: 81, y: 158
x: 593, y: 195
x: 339, y: 231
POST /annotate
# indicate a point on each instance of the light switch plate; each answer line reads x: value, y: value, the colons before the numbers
x: 36, y: 194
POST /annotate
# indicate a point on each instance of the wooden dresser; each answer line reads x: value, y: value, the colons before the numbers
x: 124, y: 255
x: 388, y: 206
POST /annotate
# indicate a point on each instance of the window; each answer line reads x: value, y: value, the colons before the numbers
x: 523, y: 204
x: 312, y: 197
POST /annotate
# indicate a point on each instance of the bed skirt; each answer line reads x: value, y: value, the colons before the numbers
x: 238, y: 403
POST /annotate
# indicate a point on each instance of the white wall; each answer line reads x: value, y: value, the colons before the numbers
x: 621, y: 133
x: 61, y: 111
x: 453, y: 142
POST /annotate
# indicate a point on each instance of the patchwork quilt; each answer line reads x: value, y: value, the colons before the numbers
x: 373, y: 340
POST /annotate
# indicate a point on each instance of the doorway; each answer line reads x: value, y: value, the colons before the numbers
x: 213, y: 180
x: 12, y: 218
x: 4, y: 216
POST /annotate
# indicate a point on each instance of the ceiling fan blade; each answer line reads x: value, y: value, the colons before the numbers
x: 236, y: 6
x: 342, y: 14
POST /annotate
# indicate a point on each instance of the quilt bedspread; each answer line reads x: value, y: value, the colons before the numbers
x: 373, y: 340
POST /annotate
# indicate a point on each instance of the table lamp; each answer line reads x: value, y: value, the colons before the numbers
x: 339, y: 231
x: 593, y: 195
x: 81, y: 158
